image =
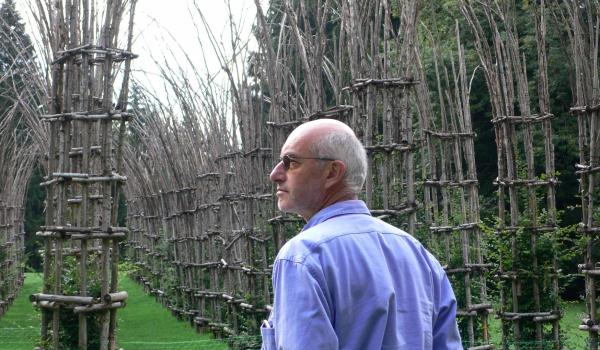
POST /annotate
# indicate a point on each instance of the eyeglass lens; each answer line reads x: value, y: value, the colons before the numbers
x: 286, y: 160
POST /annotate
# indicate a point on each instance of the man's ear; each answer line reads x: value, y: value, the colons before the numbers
x: 335, y: 173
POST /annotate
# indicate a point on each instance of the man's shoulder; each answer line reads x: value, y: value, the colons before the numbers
x: 335, y: 229
x: 344, y: 225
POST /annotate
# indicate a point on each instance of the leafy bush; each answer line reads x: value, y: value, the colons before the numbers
x: 70, y: 285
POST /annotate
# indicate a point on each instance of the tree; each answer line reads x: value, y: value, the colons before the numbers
x: 16, y: 54
x: 34, y: 218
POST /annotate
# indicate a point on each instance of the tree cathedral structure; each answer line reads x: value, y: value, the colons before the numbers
x: 203, y: 225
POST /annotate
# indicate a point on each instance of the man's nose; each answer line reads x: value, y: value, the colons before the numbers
x: 278, y: 173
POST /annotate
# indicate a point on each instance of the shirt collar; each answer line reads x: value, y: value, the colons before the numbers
x: 337, y: 209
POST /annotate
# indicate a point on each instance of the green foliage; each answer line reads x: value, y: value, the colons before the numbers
x: 34, y: 218
x: 128, y: 268
x: 566, y: 241
x: 70, y: 285
x: 163, y: 274
x: 69, y: 330
x: 16, y: 56
x: 122, y: 210
x: 15, y: 47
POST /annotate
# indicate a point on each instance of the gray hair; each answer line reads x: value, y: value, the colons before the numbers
x: 345, y: 146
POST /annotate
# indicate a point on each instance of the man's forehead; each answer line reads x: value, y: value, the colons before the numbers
x: 292, y: 148
x: 300, y: 139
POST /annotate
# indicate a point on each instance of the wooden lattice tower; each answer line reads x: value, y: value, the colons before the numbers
x: 87, y: 129
x: 208, y: 228
x: 387, y: 134
x: 581, y: 29
x: 381, y: 91
x: 452, y: 196
x: 525, y: 191
x: 588, y: 118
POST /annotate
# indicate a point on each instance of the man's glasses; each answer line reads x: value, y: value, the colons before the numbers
x: 287, y: 160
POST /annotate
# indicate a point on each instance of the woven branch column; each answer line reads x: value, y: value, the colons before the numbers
x: 581, y: 23
x: 207, y: 220
x: 9, y: 278
x: 526, y: 192
x: 529, y: 227
x: 387, y: 135
x: 5, y: 262
x: 451, y: 197
x: 12, y: 247
x: 87, y: 130
x: 455, y: 235
x: 589, y: 173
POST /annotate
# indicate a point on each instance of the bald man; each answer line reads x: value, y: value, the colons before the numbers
x: 349, y: 280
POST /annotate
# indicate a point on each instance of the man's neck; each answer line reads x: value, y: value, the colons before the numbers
x: 334, y: 197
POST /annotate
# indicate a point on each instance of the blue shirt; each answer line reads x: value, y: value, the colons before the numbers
x: 351, y: 281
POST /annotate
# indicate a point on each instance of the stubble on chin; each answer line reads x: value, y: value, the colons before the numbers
x: 283, y: 202
x: 281, y: 205
x: 286, y: 208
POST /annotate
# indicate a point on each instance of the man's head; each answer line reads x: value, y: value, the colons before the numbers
x: 322, y: 163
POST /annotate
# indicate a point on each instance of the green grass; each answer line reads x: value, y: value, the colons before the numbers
x: 20, y: 326
x: 572, y: 337
x: 143, y: 324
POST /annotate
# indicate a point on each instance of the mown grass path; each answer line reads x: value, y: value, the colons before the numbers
x: 20, y: 326
x: 143, y: 324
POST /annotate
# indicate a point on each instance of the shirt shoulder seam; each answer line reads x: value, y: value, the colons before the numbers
x: 312, y: 247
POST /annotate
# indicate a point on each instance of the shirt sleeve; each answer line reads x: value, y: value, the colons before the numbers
x: 302, y: 311
x: 445, y: 328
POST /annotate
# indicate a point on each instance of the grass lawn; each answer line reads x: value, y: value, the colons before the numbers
x: 144, y: 324
x: 20, y: 326
x: 573, y: 338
